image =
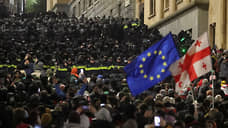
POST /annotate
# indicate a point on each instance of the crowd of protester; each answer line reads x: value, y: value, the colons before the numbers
x: 34, y: 96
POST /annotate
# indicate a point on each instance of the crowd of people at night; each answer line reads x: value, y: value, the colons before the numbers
x: 32, y: 94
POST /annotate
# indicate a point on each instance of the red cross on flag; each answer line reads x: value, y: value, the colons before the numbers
x: 195, y: 63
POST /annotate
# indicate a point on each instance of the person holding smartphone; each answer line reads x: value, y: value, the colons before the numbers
x: 74, y: 75
x: 157, y: 121
x: 101, y: 112
x: 80, y: 105
x: 160, y: 122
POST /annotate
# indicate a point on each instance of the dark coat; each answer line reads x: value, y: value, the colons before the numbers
x: 223, y: 68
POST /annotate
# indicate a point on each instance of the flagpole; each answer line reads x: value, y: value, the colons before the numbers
x: 213, y: 90
x: 193, y: 98
x: 213, y: 34
x: 195, y: 103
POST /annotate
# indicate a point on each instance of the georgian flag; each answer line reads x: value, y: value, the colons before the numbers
x: 195, y: 63
x: 224, y: 88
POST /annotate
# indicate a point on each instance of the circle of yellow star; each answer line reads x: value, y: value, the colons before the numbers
x: 164, y: 63
x: 163, y: 70
x: 151, y: 78
x: 143, y: 59
x: 158, y: 76
x: 148, y: 54
x: 145, y: 76
x: 163, y: 57
x: 155, y: 52
x: 160, y: 52
x: 141, y: 66
x: 141, y: 71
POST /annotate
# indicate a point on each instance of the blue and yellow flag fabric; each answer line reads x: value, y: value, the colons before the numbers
x: 151, y: 67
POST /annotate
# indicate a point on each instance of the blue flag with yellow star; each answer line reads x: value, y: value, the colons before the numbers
x: 151, y: 67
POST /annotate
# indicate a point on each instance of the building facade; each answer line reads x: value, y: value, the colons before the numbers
x: 52, y: 3
x: 14, y: 6
x: 139, y: 10
x: 176, y: 15
x: 92, y: 8
x: 218, y: 23
x: 166, y: 15
x: 5, y: 2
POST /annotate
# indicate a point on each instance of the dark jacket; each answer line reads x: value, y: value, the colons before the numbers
x: 72, y: 125
x: 223, y: 66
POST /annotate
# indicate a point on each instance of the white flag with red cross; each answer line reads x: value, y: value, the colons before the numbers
x: 195, y: 63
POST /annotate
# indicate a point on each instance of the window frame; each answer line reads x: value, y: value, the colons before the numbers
x: 79, y: 8
x: 90, y: 3
x: 152, y: 10
x: 84, y: 5
x: 166, y: 5
x: 74, y: 11
x: 179, y: 1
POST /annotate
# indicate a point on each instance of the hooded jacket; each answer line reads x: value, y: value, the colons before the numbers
x: 74, y: 75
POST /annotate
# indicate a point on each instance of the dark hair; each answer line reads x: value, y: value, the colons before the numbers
x: 101, y: 124
x: 74, y: 117
x: 19, y: 115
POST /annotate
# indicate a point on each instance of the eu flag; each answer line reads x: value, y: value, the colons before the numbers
x: 151, y: 67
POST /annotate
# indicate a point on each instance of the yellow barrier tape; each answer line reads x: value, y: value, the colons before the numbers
x: 65, y: 69
x: 62, y: 69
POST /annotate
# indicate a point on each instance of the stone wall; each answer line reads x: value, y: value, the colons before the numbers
x: 218, y: 14
x: 194, y: 18
x: 104, y: 8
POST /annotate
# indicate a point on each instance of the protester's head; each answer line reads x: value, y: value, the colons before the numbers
x: 19, y: 115
x: 46, y: 120
x: 74, y: 117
